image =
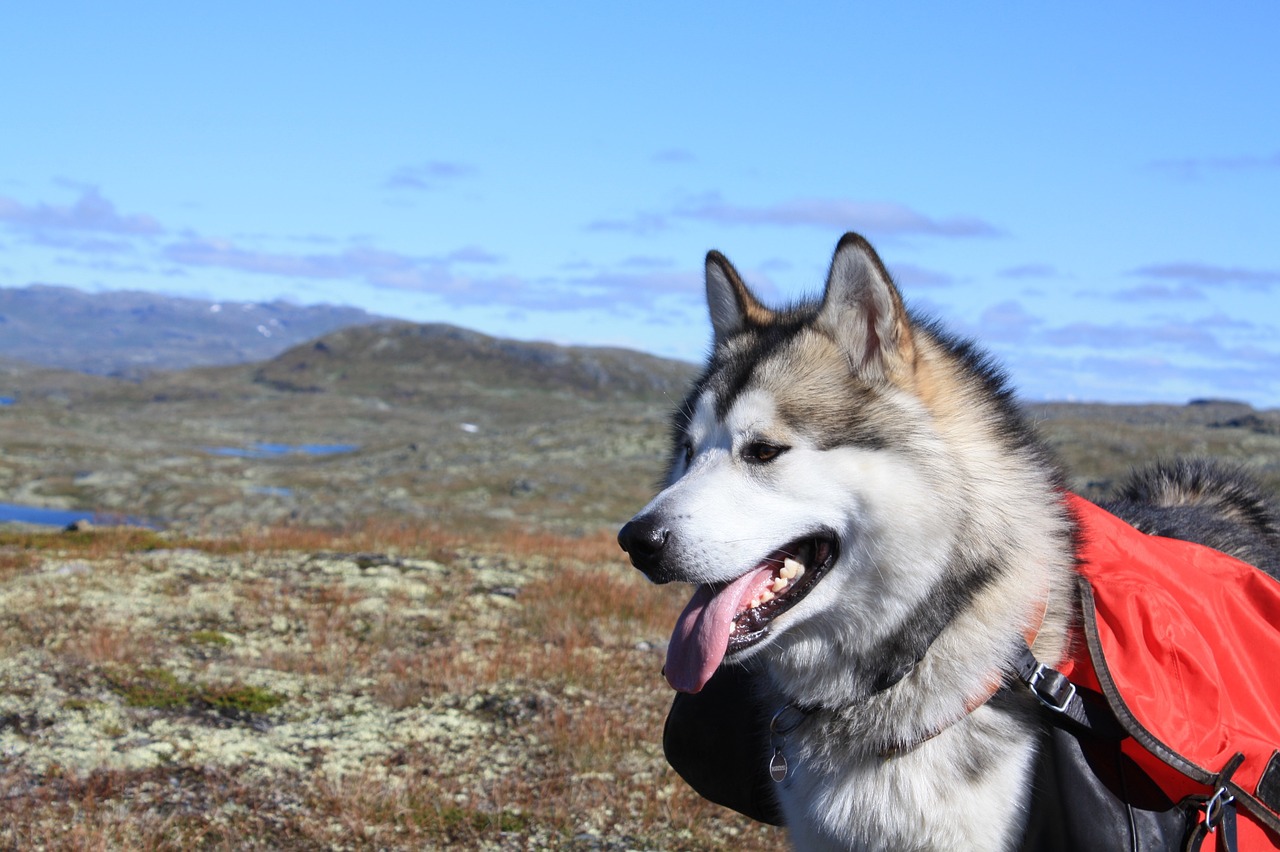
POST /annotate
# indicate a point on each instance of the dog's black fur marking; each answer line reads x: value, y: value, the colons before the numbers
x: 1207, y: 502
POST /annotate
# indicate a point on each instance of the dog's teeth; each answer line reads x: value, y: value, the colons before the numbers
x: 779, y: 583
x: 767, y: 596
x: 755, y: 602
x: 791, y: 568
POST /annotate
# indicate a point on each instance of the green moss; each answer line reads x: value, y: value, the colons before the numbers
x: 453, y: 818
x: 159, y: 689
x: 208, y: 637
x: 241, y: 699
x: 155, y: 688
x: 80, y: 704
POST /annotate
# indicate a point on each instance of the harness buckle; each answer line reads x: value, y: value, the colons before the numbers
x: 1216, y: 807
x: 1054, y: 689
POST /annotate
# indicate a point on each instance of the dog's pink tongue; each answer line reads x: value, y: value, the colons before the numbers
x: 701, y: 637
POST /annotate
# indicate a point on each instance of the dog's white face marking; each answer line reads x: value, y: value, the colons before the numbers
x: 728, y: 512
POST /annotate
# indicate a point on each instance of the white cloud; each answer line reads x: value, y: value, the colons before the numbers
x: 878, y: 219
x: 911, y: 276
x: 675, y: 156
x: 1190, y: 336
x: 1029, y: 270
x: 429, y: 176
x: 1156, y: 292
x: 883, y: 219
x: 1007, y: 322
x: 1191, y: 168
x: 90, y: 212
x: 1209, y: 274
x: 640, y: 224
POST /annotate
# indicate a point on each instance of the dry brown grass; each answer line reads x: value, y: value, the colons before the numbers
x: 528, y: 661
x: 383, y: 536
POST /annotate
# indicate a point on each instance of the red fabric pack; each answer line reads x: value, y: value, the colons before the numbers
x: 1184, y: 643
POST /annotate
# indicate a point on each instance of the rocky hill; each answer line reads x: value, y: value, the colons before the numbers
x: 410, y: 361
x: 127, y: 333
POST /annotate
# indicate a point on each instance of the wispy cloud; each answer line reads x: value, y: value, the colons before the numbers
x: 644, y: 261
x: 1191, y: 168
x: 878, y: 219
x: 643, y: 286
x: 884, y: 219
x: 1025, y: 271
x: 1157, y: 292
x: 378, y: 268
x: 451, y: 276
x: 1188, y: 336
x: 472, y: 254
x: 911, y: 276
x: 1207, y: 274
x: 1007, y: 322
x: 90, y: 212
x: 429, y: 176
x: 1162, y: 378
x: 83, y: 242
x: 639, y: 224
x: 370, y: 264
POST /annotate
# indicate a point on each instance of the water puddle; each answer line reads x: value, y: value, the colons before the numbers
x: 16, y: 513
x: 265, y: 450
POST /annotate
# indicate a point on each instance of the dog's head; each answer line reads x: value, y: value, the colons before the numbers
x: 803, y: 471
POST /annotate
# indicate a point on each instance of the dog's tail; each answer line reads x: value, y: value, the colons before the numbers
x: 1204, y: 501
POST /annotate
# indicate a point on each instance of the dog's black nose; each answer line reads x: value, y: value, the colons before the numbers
x: 643, y: 541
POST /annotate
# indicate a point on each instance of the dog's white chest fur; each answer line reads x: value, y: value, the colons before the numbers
x: 930, y: 798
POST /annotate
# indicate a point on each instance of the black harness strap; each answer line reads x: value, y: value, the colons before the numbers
x: 1072, y: 704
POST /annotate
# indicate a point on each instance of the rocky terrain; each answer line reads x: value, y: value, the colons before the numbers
x: 379, y: 605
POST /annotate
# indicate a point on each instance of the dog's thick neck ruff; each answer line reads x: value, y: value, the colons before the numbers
x: 791, y: 715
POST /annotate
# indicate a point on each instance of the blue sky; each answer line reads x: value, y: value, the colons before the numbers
x: 1091, y: 190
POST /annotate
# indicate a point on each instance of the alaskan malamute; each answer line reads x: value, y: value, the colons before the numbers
x: 873, y: 528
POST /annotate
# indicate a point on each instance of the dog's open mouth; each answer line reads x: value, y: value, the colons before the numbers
x: 793, y: 571
x: 731, y: 617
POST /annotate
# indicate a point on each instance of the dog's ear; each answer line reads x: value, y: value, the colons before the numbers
x: 733, y: 307
x: 863, y: 311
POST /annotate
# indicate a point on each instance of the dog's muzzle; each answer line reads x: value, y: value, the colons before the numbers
x: 644, y: 541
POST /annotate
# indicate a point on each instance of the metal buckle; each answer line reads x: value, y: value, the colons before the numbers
x: 1215, y: 806
x: 1047, y: 697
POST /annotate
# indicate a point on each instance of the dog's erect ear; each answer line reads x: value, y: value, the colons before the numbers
x: 733, y: 307
x: 863, y: 311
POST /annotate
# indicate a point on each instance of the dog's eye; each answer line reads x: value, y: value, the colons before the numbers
x: 688, y: 453
x: 760, y: 452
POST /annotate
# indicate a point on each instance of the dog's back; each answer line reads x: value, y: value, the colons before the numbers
x: 1207, y: 502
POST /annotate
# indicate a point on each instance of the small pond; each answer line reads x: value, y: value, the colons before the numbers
x: 14, y: 512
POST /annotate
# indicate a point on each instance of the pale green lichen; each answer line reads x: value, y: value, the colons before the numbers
x: 337, y: 678
x: 125, y: 720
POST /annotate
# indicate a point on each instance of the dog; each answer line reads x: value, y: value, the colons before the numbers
x: 871, y: 527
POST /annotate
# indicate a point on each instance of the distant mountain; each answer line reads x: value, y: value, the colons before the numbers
x: 128, y: 333
x: 402, y: 360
